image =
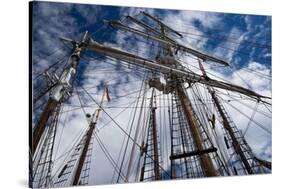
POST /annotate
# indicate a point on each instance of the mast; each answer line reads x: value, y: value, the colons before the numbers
x: 236, y: 144
x: 167, y: 41
x: 205, y: 161
x: 84, y: 153
x: 204, y: 158
x: 44, y: 163
x: 59, y: 93
x: 154, y: 136
x: 40, y: 127
x: 186, y: 75
x: 151, y: 168
x: 234, y: 135
x: 89, y: 134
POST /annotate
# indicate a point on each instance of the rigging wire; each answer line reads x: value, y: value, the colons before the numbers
x: 251, y: 119
x: 136, y: 132
x: 261, y: 74
x: 244, y: 114
x: 49, y: 55
x: 219, y: 32
x: 126, y: 146
x: 126, y: 129
x: 108, y: 156
x: 60, y: 136
x: 235, y: 51
x: 220, y: 46
x: 119, y: 126
x: 240, y: 100
x: 67, y: 151
x: 228, y: 39
x: 124, y: 140
x: 209, y: 73
x: 81, y: 105
x: 51, y: 66
x: 247, y: 105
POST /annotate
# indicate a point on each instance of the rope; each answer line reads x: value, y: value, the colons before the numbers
x: 242, y: 113
x: 126, y: 146
x: 119, y: 126
x: 251, y: 119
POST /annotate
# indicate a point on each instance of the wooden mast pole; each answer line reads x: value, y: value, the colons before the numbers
x: 84, y: 153
x: 53, y: 101
x: 205, y: 161
x: 89, y: 134
x: 155, y: 141
x: 237, y: 147
x: 204, y: 158
x: 226, y: 125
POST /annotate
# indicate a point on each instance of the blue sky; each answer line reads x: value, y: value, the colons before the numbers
x: 239, y: 39
x: 71, y: 20
x: 242, y: 40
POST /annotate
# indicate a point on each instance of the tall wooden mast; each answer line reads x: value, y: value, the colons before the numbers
x: 204, y: 158
x: 236, y: 144
x: 154, y: 137
x: 151, y: 164
x: 232, y: 131
x: 84, y: 153
x: 93, y: 121
x: 60, y: 92
x: 205, y: 161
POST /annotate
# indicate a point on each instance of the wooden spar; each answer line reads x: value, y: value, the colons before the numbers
x: 204, y: 158
x: 83, y: 155
x: 237, y: 147
x: 154, y: 142
x: 226, y: 125
x: 162, y: 25
x: 205, y: 161
x: 143, y: 25
x: 185, y: 74
x: 193, y: 153
x: 40, y: 127
x: 50, y: 107
x: 87, y: 142
x: 170, y: 43
x: 155, y: 145
x: 156, y: 32
x: 264, y: 163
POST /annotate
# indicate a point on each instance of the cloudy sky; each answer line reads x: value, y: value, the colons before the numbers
x: 242, y: 40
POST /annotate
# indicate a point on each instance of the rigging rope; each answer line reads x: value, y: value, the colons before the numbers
x: 119, y: 126
x: 136, y: 132
x: 251, y: 119
x: 244, y: 114
x: 126, y: 146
